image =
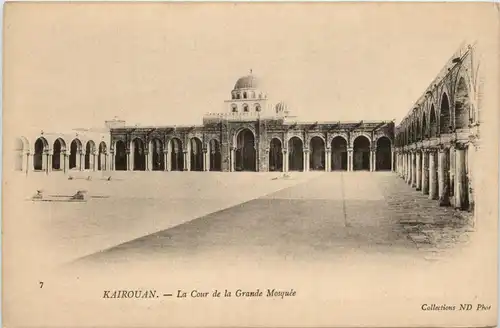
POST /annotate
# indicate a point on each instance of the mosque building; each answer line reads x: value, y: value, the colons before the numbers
x: 254, y: 134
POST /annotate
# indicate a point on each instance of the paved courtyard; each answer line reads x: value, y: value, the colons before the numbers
x: 319, y: 217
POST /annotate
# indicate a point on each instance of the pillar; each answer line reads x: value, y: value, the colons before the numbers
x: 82, y: 161
x: 187, y: 162
x: 425, y: 172
x: 130, y: 157
x: 418, y: 171
x: 285, y: 160
x: 206, y: 160
x: 111, y: 164
x: 349, y: 159
x: 232, y: 159
x: 404, y: 165
x: 451, y: 170
x: 328, y: 160
x: 433, y: 176
x: 167, y: 160
x: 371, y: 160
x: 49, y: 163
x: 65, y: 162
x: 149, y: 157
x: 443, y: 178
x: 393, y: 167
x: 410, y: 168
x: 461, y: 190
x: 306, y: 160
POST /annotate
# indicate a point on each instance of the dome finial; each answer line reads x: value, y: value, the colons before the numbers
x: 251, y: 71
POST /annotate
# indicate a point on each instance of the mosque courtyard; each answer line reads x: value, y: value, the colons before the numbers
x: 142, y: 216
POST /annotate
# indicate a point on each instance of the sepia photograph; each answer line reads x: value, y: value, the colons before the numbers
x: 237, y: 164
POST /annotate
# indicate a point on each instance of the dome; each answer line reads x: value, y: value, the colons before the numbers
x: 247, y: 82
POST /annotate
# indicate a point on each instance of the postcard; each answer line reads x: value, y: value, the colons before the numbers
x: 242, y: 164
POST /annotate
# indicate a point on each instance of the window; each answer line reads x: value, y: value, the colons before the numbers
x: 245, y: 108
x: 257, y: 107
x: 244, y: 95
x: 234, y: 108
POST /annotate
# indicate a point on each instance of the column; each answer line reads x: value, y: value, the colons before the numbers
x: 393, y: 167
x: 285, y: 160
x: 111, y: 164
x: 403, y: 163
x: 49, y: 163
x: 443, y: 177
x: 371, y: 161
x: 166, y: 160
x: 206, y: 160
x: 232, y: 159
x: 410, y: 168
x: 328, y: 160
x: 349, y: 159
x: 461, y: 191
x: 149, y: 157
x: 418, y: 171
x: 129, y: 160
x: 306, y: 160
x: 425, y: 172
x: 433, y: 179
x: 451, y: 170
x: 186, y: 160
x: 82, y: 161
x: 65, y: 162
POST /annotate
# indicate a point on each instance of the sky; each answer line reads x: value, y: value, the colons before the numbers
x: 77, y: 65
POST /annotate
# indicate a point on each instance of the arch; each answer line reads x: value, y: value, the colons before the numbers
x: 101, y: 156
x: 234, y: 108
x: 245, y: 107
x: 196, y: 154
x: 74, y: 154
x: 317, y: 159
x: 156, y: 153
x: 139, y: 154
x: 89, y: 155
x: 357, y: 135
x: 215, y: 155
x: 176, y: 154
x: 433, y: 127
x: 58, y: 152
x: 120, y: 156
x: 425, y: 133
x: 295, y: 154
x: 444, y: 115
x: 41, y: 147
x: 245, y: 151
x: 361, y: 159
x: 275, y: 155
x: 339, y: 154
x: 383, y: 154
x: 244, y: 95
x: 462, y: 105
x: 418, y: 130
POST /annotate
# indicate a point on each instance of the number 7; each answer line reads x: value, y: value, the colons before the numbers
x: 41, y: 284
